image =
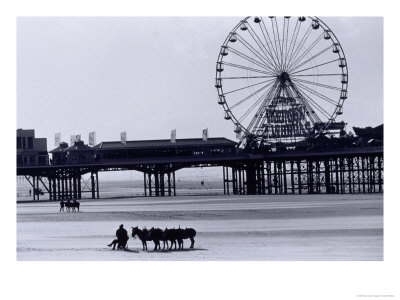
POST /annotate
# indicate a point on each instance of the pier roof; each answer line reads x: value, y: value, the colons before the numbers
x: 219, y: 141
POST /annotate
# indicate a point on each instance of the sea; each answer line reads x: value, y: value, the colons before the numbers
x: 199, y: 181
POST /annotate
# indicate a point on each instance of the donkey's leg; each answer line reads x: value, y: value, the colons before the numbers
x: 192, y: 240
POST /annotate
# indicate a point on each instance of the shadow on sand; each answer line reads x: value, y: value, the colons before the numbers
x: 131, y: 250
x: 176, y: 251
x: 121, y: 250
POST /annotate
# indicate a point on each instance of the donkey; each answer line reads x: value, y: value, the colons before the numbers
x: 71, y: 206
x: 169, y: 235
x: 164, y: 238
x: 182, y: 234
x: 75, y: 205
x: 62, y: 205
x: 154, y: 234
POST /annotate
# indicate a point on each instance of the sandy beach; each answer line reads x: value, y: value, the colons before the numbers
x: 276, y: 228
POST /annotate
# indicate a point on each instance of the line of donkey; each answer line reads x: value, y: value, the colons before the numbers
x: 167, y: 235
x: 69, y: 206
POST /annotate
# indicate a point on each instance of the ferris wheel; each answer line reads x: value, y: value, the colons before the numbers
x: 281, y: 79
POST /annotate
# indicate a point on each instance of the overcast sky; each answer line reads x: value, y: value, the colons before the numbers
x: 147, y: 76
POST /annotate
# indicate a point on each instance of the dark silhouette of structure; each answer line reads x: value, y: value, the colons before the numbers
x: 31, y: 151
x: 344, y: 164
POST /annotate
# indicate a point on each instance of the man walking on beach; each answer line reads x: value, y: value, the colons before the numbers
x: 122, y: 238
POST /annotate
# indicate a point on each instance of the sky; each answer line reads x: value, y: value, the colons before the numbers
x: 149, y: 75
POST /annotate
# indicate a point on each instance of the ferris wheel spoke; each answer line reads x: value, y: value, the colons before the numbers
x: 284, y: 42
x: 317, y: 107
x: 279, y: 41
x: 274, y: 46
x: 251, y: 49
x: 245, y: 77
x: 258, y: 63
x: 306, y: 51
x: 249, y: 96
x: 312, y: 115
x: 293, y: 39
x: 242, y: 88
x: 300, y: 64
x: 246, y: 68
x: 319, y: 95
x: 311, y: 46
x: 287, y: 39
x: 264, y: 31
x: 261, y: 45
x: 300, y: 45
x: 310, y: 75
x: 277, y: 44
x: 313, y: 67
x: 318, y: 84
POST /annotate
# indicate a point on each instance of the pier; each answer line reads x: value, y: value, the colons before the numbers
x: 312, y: 171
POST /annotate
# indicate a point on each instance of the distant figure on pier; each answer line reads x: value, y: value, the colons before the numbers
x: 121, y: 240
x: 30, y: 193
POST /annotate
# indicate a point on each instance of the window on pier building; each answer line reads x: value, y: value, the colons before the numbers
x: 42, y: 160
x: 216, y: 151
x: 19, y: 143
x: 30, y: 142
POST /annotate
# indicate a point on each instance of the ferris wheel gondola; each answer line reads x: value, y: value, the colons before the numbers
x: 281, y: 79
